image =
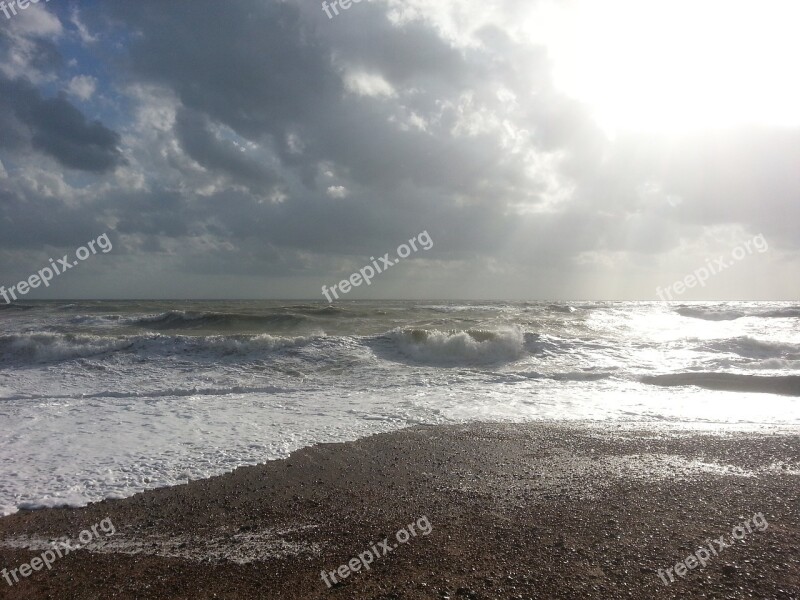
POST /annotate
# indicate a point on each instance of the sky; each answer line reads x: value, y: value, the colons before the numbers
x: 262, y: 149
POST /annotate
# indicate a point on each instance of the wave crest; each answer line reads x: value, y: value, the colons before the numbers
x: 748, y: 347
x: 711, y: 313
x: 27, y: 348
x: 459, y: 347
x: 179, y: 319
x: 55, y: 347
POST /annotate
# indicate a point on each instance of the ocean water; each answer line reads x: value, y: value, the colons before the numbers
x: 105, y: 399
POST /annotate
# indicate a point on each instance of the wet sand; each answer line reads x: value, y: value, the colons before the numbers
x: 543, y: 510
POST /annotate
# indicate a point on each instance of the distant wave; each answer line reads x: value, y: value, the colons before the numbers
x: 773, y: 364
x: 316, y: 310
x: 54, y: 347
x: 785, y: 385
x: 447, y: 308
x: 576, y: 376
x: 752, y: 348
x: 782, y: 313
x: 95, y: 319
x: 711, y: 313
x: 458, y: 347
x: 580, y: 376
x: 179, y: 319
x: 16, y: 306
x: 31, y: 348
x: 71, y: 306
x: 174, y: 392
x: 561, y: 308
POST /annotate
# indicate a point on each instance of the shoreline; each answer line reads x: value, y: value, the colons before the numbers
x: 543, y: 509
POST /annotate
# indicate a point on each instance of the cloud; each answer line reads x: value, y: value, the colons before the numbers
x: 35, y: 21
x: 221, y: 135
x: 31, y: 52
x: 194, y: 132
x: 367, y: 84
x: 83, y: 32
x: 56, y: 128
x: 337, y: 191
x: 82, y: 87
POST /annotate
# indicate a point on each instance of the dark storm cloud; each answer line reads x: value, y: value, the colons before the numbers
x: 265, y: 71
x: 153, y: 213
x: 56, y: 128
x: 32, y: 220
x: 199, y: 142
x: 268, y: 70
x: 414, y: 55
x: 251, y: 65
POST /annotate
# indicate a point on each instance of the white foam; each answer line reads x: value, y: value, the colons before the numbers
x: 242, y: 547
x: 460, y: 347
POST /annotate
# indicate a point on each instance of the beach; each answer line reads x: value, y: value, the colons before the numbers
x: 537, y: 510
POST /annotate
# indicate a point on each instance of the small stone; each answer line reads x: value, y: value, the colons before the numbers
x: 729, y: 570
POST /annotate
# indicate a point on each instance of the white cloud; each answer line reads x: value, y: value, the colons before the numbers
x: 82, y: 86
x: 36, y: 21
x: 24, y: 45
x: 410, y: 121
x: 294, y: 143
x: 83, y: 31
x: 368, y: 84
x: 337, y: 191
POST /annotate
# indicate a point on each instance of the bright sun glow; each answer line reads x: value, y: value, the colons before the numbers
x: 677, y: 66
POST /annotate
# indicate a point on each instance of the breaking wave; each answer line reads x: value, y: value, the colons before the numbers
x: 710, y: 313
x: 25, y: 348
x: 458, y: 347
x: 748, y: 347
x: 179, y: 319
x: 561, y: 308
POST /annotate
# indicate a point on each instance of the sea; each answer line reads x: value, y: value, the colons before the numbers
x: 104, y: 399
